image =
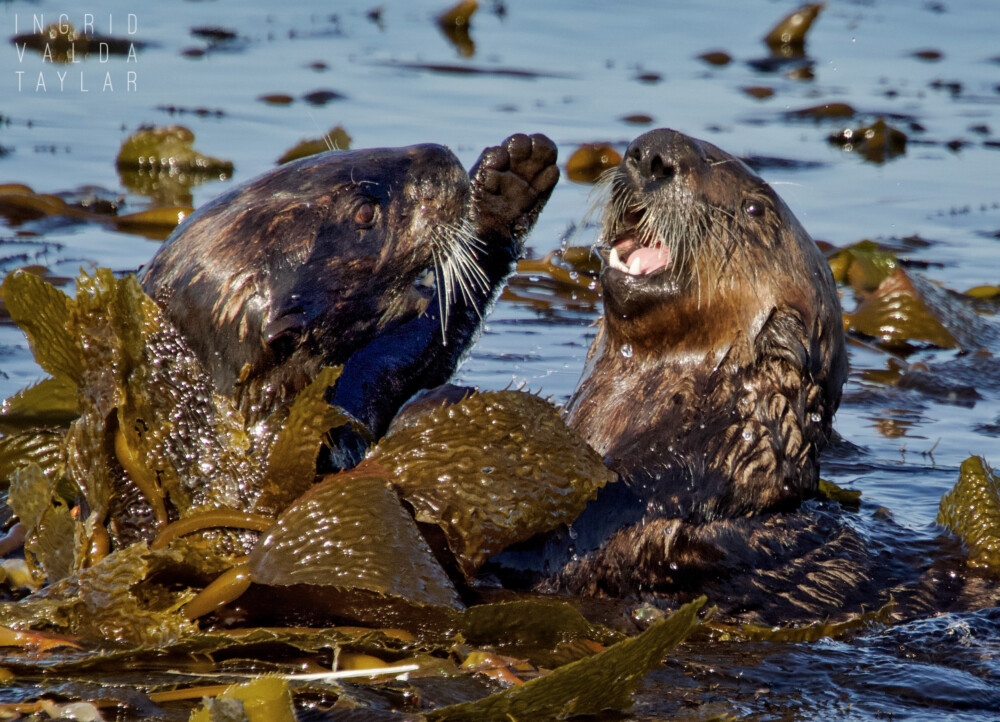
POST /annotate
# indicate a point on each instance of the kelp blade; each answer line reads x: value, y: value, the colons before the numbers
x: 588, y: 686
x: 972, y: 511
x: 494, y: 469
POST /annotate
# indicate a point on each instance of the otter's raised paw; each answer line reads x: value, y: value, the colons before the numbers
x: 511, y: 183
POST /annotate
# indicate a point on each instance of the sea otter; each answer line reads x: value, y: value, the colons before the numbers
x: 380, y: 260
x: 711, y: 384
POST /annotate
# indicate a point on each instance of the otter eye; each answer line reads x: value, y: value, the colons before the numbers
x: 753, y: 208
x: 365, y: 214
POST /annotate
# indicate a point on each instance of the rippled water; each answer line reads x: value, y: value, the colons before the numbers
x: 582, y: 63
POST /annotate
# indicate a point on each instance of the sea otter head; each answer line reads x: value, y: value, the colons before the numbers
x: 322, y: 253
x: 699, y: 250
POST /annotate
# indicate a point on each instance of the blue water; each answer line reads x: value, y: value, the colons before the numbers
x: 586, y: 57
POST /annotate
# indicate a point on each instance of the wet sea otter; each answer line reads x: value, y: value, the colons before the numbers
x: 711, y: 385
x: 383, y: 260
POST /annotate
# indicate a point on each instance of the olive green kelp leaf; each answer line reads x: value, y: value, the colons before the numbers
x: 808, y: 633
x: 43, y: 313
x: 863, y: 265
x: 43, y: 447
x: 587, y: 686
x: 54, y: 542
x: 291, y: 462
x: 111, y: 600
x: 492, y: 470
x: 972, y: 511
x: 346, y: 539
x: 545, y: 631
x: 51, y: 402
x: 161, y: 163
x: 907, y: 310
x: 266, y: 699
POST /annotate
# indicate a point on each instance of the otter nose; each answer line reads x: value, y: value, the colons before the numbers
x: 661, y: 155
x: 651, y: 164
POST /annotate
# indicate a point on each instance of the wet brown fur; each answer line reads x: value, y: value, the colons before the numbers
x: 711, y: 388
x: 278, y: 277
x: 716, y: 381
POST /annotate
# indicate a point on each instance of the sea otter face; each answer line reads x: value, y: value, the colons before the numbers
x: 325, y: 251
x: 691, y: 242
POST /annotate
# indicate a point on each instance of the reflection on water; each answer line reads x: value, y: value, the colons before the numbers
x: 583, y: 73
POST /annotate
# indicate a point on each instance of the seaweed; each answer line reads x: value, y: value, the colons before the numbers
x: 478, y: 469
x: 587, y: 686
x: 863, y: 265
x: 266, y: 699
x: 590, y: 160
x: 350, y: 533
x: 809, y: 633
x: 907, y: 310
x: 160, y: 162
x: 971, y: 510
x: 335, y: 139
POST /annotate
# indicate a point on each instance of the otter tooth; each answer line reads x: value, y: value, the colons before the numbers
x: 616, y: 262
x: 427, y: 278
x: 635, y: 268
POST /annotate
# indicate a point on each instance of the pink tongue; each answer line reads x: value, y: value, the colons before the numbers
x: 649, y: 260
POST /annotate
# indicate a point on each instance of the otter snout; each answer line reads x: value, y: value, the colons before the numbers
x: 659, y: 158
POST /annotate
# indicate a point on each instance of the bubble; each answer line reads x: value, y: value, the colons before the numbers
x: 627, y: 350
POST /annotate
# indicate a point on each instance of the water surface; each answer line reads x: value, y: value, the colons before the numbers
x: 580, y: 68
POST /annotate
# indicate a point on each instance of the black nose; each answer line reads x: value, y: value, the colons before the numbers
x: 659, y: 155
x: 651, y: 164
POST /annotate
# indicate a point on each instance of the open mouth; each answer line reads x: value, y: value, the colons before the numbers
x: 634, y: 252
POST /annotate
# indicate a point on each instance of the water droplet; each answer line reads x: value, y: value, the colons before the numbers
x: 815, y: 417
x: 747, y: 435
x: 627, y: 350
x: 573, y: 533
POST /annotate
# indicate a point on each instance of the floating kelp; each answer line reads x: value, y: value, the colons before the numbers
x: 907, y: 311
x: 760, y: 92
x: 335, y: 139
x: 985, y: 293
x: 587, y: 686
x: 863, y: 266
x: 161, y: 162
x: 568, y: 276
x: 266, y: 699
x: 847, y: 498
x: 637, y: 119
x: 155, y: 223
x: 62, y: 43
x: 590, y: 160
x: 547, y: 632
x: 152, y: 442
x: 790, y: 32
x: 718, y: 58
x: 809, y: 633
x: 877, y: 142
x: 972, y: 511
x: 347, y: 538
x: 20, y: 204
x: 455, y: 22
x: 114, y: 600
x: 825, y: 110
x: 479, y: 469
